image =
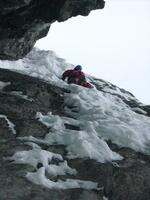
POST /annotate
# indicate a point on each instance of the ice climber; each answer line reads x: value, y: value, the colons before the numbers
x: 76, y: 76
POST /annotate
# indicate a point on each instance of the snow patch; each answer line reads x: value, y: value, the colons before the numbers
x: 27, y: 1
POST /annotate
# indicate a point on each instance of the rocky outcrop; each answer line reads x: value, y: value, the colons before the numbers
x: 20, y: 99
x: 22, y: 22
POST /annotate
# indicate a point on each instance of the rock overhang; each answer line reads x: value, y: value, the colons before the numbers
x: 23, y: 22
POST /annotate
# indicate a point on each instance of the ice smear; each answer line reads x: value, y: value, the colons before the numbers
x: 3, y: 84
x: 21, y: 95
x: 10, y: 124
x: 105, y: 198
x: 139, y: 110
x: 40, y: 179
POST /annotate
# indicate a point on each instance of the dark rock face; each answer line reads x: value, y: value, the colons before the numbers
x: 22, y: 22
x: 128, y: 179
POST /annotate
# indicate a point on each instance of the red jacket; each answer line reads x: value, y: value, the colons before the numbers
x: 74, y: 76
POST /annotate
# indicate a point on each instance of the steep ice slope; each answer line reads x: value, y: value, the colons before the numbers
x: 100, y: 113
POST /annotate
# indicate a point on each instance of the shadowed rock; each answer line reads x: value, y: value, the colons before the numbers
x: 23, y: 22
